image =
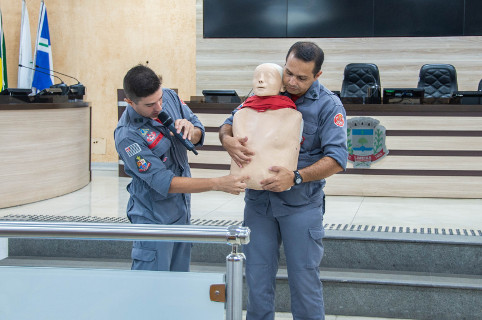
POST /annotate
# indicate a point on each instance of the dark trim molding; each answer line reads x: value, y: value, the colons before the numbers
x: 210, y: 166
x: 436, y: 153
x: 42, y: 106
x: 400, y: 172
x: 371, y: 172
x: 433, y: 133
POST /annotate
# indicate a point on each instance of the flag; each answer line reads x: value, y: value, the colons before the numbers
x: 25, y: 75
x: 43, y: 53
x: 3, y: 56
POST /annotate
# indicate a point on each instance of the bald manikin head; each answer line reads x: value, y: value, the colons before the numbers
x: 267, y: 79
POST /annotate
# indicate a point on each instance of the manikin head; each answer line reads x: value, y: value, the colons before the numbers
x: 267, y: 79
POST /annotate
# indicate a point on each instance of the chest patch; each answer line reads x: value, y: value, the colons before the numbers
x: 152, y: 137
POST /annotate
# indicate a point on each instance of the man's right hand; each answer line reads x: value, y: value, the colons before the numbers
x: 237, y: 149
x: 231, y: 184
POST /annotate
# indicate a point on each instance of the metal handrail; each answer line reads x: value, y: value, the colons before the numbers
x: 233, y: 235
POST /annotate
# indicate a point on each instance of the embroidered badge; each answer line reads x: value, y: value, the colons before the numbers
x: 339, y: 121
x: 365, y: 141
x: 132, y: 149
x: 142, y: 164
x: 151, y: 136
x: 144, y: 131
x: 153, y: 139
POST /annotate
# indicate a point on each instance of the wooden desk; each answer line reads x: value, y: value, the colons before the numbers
x: 45, y: 150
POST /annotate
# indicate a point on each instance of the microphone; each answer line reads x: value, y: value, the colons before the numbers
x: 62, y: 86
x: 75, y: 88
x: 168, y: 123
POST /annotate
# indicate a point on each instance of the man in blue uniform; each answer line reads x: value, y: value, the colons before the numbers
x: 158, y: 164
x: 290, y: 207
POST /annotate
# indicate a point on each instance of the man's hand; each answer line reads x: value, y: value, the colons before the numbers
x: 282, y: 180
x: 231, y: 184
x: 186, y: 127
x: 237, y: 149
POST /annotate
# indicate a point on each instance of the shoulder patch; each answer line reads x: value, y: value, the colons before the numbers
x: 133, y: 149
x: 338, y: 119
x: 142, y: 164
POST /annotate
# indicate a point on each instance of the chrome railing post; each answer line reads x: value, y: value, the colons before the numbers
x: 234, y: 284
x: 234, y: 273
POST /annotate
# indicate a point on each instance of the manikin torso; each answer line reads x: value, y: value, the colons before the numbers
x: 274, y: 135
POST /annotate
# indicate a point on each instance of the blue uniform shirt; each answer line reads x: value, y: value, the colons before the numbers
x: 152, y: 157
x: 324, y: 135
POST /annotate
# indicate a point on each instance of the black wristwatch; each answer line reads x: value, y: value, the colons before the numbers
x: 298, y: 179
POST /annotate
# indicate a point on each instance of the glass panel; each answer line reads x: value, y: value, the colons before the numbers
x: 67, y: 293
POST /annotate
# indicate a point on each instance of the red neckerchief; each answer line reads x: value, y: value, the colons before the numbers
x: 262, y: 104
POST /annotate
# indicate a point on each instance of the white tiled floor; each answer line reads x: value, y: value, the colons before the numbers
x: 106, y: 196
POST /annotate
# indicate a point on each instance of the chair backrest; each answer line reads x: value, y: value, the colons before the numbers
x: 480, y: 85
x: 438, y: 80
x: 358, y: 77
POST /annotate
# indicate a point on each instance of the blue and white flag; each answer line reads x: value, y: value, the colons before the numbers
x: 3, y: 58
x: 25, y: 75
x: 43, y: 53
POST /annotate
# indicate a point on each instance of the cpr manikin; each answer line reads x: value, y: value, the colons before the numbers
x: 271, y: 124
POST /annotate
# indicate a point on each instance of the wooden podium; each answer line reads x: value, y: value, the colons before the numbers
x: 45, y: 150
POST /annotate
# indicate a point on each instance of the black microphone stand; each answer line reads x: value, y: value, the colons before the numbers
x: 77, y: 90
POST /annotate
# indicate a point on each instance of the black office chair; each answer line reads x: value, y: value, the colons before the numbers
x: 438, y: 80
x: 358, y: 77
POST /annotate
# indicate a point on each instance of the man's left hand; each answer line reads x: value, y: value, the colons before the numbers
x: 282, y: 180
x: 186, y: 127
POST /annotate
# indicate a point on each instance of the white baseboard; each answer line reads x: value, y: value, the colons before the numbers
x: 104, y: 165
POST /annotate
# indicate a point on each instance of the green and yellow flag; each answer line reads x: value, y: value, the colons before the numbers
x: 3, y: 56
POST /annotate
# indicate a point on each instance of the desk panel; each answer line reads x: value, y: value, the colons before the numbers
x: 46, y: 151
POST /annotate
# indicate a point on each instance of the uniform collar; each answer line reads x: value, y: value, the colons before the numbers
x: 312, y: 93
x: 136, y: 119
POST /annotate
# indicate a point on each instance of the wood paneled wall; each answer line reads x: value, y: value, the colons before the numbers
x: 434, y: 151
x: 229, y: 63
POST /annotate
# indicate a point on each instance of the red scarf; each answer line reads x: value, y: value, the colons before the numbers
x: 262, y: 104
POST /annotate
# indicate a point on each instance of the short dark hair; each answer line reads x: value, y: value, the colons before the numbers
x: 140, y: 82
x: 308, y: 51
